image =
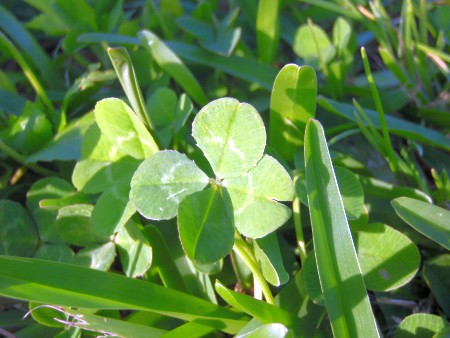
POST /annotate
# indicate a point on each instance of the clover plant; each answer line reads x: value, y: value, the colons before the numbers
x: 244, y: 194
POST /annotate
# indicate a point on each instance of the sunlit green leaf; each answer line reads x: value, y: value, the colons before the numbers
x: 171, y: 64
x: 388, y: 259
x: 98, y: 257
x: 253, y: 198
x: 231, y: 135
x: 268, y: 256
x: 292, y: 104
x: 122, y: 128
x: 312, y: 44
x: 423, y: 325
x: 162, y: 181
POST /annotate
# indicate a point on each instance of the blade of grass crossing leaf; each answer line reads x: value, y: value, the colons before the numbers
x: 60, y: 284
x: 163, y: 260
x: 32, y: 78
x: 268, y: 29
x: 341, y: 280
x: 171, y: 64
x: 264, y: 312
x: 125, y: 72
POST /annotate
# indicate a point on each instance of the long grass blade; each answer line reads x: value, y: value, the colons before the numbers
x: 60, y: 284
x: 341, y: 280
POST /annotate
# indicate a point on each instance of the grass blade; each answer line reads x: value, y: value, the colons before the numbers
x: 341, y: 280
x: 428, y: 219
x: 60, y: 284
x: 14, y: 29
x: 32, y: 78
x: 396, y: 126
x: 171, y: 64
x: 268, y: 29
x: 125, y: 72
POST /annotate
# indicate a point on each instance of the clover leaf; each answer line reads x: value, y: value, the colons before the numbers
x: 245, y: 192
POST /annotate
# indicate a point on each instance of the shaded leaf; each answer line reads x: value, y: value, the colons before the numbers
x: 436, y: 271
x: 18, y: 234
x: 74, y: 225
x: 134, y: 250
x: 66, y: 144
x: 47, y: 188
x: 57, y: 252
x: 206, y: 231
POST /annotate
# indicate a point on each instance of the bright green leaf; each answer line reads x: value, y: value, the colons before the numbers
x: 312, y: 43
x: 274, y: 330
x: 430, y: 220
x: 292, y: 104
x: 231, y: 135
x: 122, y: 128
x: 96, y: 146
x: 98, y: 257
x: 262, y: 311
x: 253, y: 198
x: 268, y: 29
x: 162, y: 181
x: 388, y: 259
x: 268, y: 256
x: 423, y: 325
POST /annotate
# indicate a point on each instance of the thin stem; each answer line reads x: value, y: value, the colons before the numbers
x: 299, y: 230
x: 243, y: 250
x: 22, y: 160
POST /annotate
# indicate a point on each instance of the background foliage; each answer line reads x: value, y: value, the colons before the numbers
x: 212, y: 168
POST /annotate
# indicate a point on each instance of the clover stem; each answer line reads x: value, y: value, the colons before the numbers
x: 299, y: 230
x: 244, y: 251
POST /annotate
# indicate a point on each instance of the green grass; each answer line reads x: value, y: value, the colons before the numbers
x: 185, y: 169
